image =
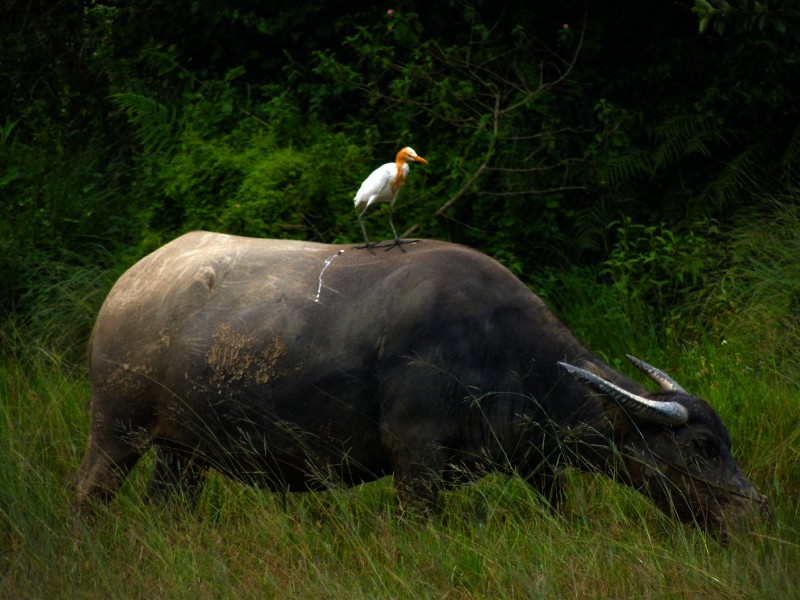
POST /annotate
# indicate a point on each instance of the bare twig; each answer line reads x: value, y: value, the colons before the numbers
x: 481, y: 168
x: 534, y: 192
x: 500, y: 90
x: 453, y: 199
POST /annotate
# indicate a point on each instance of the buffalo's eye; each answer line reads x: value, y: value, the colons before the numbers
x: 706, y: 447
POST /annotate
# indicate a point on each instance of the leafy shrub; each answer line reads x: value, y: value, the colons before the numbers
x: 753, y: 304
x: 248, y: 184
x: 661, y: 267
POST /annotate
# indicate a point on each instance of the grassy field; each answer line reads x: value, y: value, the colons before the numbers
x: 494, y: 539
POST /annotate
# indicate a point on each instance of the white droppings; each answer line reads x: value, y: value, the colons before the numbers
x: 328, y: 261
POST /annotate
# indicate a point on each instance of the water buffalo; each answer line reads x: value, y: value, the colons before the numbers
x: 299, y: 366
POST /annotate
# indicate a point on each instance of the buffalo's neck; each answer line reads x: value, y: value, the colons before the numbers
x: 586, y: 429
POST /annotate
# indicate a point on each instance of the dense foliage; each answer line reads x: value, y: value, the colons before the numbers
x: 558, y: 134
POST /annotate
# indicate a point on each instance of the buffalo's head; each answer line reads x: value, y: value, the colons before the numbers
x: 674, y: 448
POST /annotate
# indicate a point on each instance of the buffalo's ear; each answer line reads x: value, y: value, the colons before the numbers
x: 620, y: 421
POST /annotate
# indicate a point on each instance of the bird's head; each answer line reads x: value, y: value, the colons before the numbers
x: 408, y: 155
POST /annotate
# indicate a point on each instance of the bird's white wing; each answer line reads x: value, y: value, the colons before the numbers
x: 376, y: 188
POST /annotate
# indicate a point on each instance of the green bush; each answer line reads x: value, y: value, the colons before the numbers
x: 252, y: 186
x: 662, y: 268
x: 753, y: 303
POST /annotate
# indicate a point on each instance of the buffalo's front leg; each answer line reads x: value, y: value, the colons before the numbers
x: 550, y: 484
x: 177, y: 476
x: 417, y: 488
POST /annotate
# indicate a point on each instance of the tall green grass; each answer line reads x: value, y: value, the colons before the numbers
x: 495, y: 538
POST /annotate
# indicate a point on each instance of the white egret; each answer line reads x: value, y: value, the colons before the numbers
x: 382, y: 186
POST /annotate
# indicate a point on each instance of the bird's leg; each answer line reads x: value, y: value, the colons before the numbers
x: 397, y: 241
x: 394, y: 231
x: 367, y: 244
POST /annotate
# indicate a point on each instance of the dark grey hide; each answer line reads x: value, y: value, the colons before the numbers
x: 301, y: 366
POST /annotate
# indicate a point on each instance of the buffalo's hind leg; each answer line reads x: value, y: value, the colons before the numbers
x: 178, y: 476
x: 108, y: 460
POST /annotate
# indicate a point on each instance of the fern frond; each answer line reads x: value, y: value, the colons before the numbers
x: 625, y: 167
x: 591, y: 223
x: 681, y: 136
x: 154, y: 123
x: 791, y: 158
x: 732, y: 180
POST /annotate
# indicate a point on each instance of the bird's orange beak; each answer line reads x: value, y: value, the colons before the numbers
x: 420, y: 159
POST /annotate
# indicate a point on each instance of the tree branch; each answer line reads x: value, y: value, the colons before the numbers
x: 481, y: 168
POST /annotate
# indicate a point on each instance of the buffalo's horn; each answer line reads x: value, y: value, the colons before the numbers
x: 667, y: 383
x: 666, y: 413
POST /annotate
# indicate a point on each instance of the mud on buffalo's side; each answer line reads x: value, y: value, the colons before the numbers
x: 299, y: 366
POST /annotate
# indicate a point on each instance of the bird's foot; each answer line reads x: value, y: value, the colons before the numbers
x: 399, y: 243
x: 371, y: 246
x: 368, y: 246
